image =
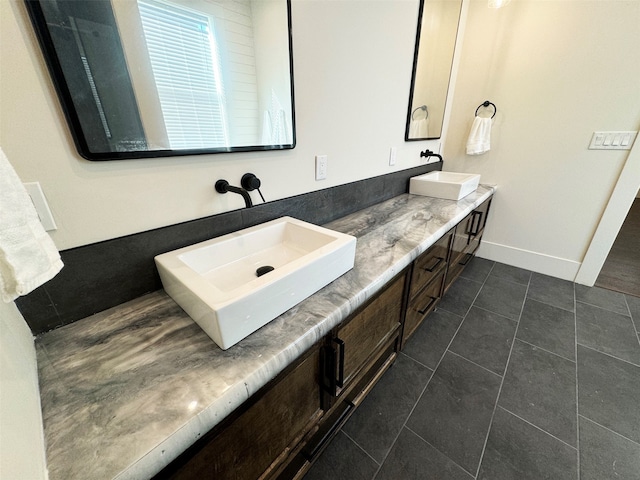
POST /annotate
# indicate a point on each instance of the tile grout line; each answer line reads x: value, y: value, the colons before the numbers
x: 609, y: 355
x: 404, y: 425
x: 495, y: 313
x: 442, y: 453
x: 575, y: 342
x: 474, y: 363
x: 549, y: 351
x: 603, y: 308
x: 417, y: 361
x: 624, y: 297
x: 633, y: 322
x: 504, y: 375
x: 393, y: 444
x: 361, y: 448
x: 537, y: 427
x: 609, y: 430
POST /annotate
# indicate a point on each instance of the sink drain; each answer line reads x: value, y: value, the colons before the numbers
x: 262, y: 270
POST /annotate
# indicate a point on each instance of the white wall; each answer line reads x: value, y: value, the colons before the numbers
x: 557, y: 71
x: 352, y: 63
x: 21, y: 439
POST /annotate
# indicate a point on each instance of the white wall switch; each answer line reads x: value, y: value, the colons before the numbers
x: 42, y: 207
x: 321, y: 167
x: 392, y: 156
x: 612, y: 140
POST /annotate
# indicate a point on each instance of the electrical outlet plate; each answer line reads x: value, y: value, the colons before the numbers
x: 612, y: 140
x: 392, y: 156
x: 42, y: 207
x: 321, y: 167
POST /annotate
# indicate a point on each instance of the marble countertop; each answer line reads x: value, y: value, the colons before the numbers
x: 125, y: 391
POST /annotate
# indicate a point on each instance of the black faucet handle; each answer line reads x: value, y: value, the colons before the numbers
x: 222, y: 186
x: 250, y: 182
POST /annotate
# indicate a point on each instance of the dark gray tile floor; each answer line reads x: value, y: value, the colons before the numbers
x: 516, y: 375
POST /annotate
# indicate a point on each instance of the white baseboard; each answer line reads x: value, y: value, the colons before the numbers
x: 534, y: 261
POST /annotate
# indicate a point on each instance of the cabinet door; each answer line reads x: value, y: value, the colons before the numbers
x: 262, y: 438
x: 421, y: 305
x: 461, y: 238
x: 466, y: 241
x: 429, y: 264
x: 483, y: 213
x: 367, y: 332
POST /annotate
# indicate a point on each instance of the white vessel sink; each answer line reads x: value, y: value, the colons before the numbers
x: 216, y: 282
x: 449, y: 185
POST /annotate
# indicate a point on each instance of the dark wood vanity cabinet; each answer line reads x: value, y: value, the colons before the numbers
x: 427, y: 279
x: 466, y: 240
x: 282, y: 429
x: 435, y: 270
x: 355, y: 357
x: 362, y: 336
x: 259, y: 440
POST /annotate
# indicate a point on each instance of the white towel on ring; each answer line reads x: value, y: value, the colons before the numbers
x: 28, y: 256
x: 479, y: 141
x: 419, y: 128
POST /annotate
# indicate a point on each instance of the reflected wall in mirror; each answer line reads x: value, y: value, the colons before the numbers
x: 433, y: 59
x: 151, y: 78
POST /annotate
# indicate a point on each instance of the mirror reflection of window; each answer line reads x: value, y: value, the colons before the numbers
x: 145, y: 78
x: 183, y: 52
x: 231, y: 26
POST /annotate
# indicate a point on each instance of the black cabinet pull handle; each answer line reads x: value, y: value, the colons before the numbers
x: 435, y: 265
x: 340, y: 379
x: 328, y: 359
x: 475, y: 229
x: 425, y: 309
x: 467, y: 258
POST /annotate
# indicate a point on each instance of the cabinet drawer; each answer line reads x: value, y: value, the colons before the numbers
x: 260, y: 438
x: 367, y: 331
x: 461, y: 238
x: 428, y: 264
x: 421, y: 305
x: 483, y: 213
x: 463, y: 258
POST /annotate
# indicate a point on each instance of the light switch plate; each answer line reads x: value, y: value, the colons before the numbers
x: 42, y: 207
x: 392, y: 156
x: 321, y: 167
x: 612, y: 140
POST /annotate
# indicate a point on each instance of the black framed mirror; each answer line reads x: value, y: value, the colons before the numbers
x: 437, y: 31
x: 156, y: 78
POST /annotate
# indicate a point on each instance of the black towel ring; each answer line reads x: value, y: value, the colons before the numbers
x: 422, y: 107
x: 486, y: 103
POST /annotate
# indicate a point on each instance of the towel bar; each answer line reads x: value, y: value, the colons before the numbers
x: 422, y: 107
x: 486, y: 103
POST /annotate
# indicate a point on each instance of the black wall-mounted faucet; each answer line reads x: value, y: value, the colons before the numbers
x: 249, y: 183
x: 222, y: 186
x: 429, y: 153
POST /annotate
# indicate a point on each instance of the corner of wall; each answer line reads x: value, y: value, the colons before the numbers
x: 22, y: 453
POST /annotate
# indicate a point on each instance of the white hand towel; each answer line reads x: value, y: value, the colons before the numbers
x: 419, y: 128
x: 28, y: 257
x: 479, y: 141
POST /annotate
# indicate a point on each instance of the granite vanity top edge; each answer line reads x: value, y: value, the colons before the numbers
x: 170, y: 446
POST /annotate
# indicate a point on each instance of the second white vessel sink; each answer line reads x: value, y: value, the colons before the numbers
x: 234, y: 284
x: 449, y: 185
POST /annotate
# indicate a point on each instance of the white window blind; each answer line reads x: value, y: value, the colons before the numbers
x: 182, y: 50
